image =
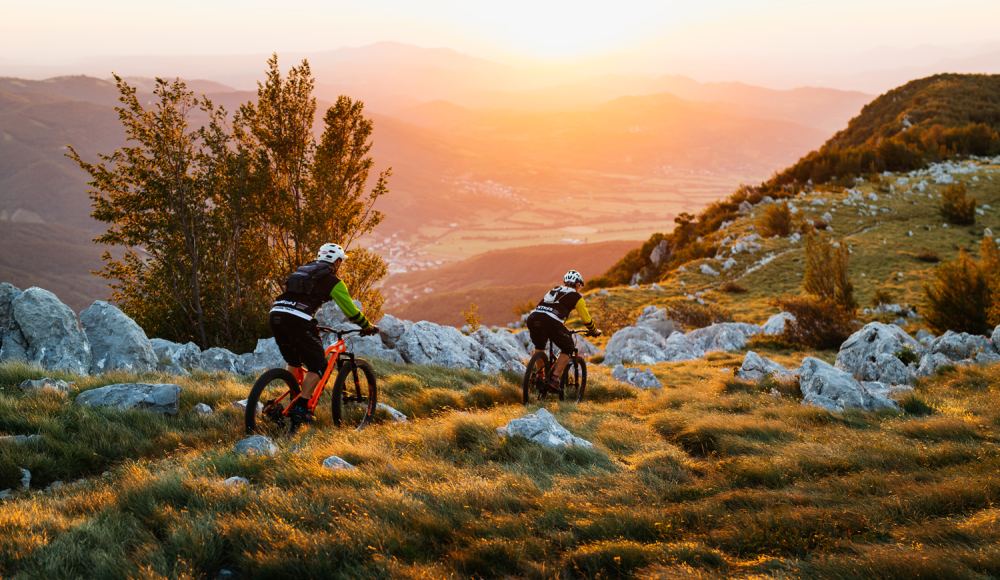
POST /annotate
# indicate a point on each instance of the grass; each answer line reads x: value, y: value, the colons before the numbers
x: 699, y: 479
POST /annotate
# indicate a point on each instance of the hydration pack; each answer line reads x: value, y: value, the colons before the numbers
x: 303, y: 279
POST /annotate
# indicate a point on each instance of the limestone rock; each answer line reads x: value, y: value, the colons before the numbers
x: 495, y: 354
x: 50, y: 329
x: 13, y: 345
x: 426, y: 343
x: 706, y: 269
x: 994, y: 338
x: 656, y: 319
x: 832, y: 389
x: 368, y: 347
x: 542, y: 428
x: 397, y: 416
x: 218, y: 360
x: 585, y: 348
x: 235, y: 481
x: 21, y: 439
x: 722, y: 336
x: 929, y: 364
x: 116, y: 341
x: 46, y: 384
x: 26, y: 479
x: 392, y: 329
x: 776, y: 324
x: 926, y: 338
x: 520, y: 341
x: 987, y: 358
x: 175, y: 370
x: 636, y: 344
x: 242, y: 406
x: 160, y: 398
x: 184, y: 355
x: 337, y: 464
x: 756, y: 367
x: 960, y: 345
x: 644, y: 379
x: 859, y: 355
x: 256, y: 445
x: 330, y: 315
x: 264, y: 357
x: 202, y: 409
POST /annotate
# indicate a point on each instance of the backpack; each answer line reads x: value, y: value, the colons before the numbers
x: 303, y: 279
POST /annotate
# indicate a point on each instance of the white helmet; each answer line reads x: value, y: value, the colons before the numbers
x: 572, y: 278
x: 331, y: 253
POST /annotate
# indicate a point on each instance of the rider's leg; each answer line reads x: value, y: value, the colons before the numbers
x: 560, y: 366
x: 309, y: 383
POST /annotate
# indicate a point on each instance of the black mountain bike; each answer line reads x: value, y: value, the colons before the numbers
x: 276, y: 388
x: 573, y: 381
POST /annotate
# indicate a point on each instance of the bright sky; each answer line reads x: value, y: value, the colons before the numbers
x: 57, y: 31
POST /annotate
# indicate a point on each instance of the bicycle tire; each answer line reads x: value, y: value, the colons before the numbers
x: 262, y: 389
x: 534, y: 375
x: 579, y: 371
x: 370, y: 395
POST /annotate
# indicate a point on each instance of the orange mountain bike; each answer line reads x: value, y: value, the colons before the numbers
x: 276, y: 388
x: 573, y: 381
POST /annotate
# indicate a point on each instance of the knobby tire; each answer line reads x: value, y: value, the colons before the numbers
x: 574, y: 377
x: 366, y: 389
x: 287, y: 383
x: 534, y: 375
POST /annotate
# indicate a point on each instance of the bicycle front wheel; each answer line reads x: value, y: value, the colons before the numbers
x: 355, y: 394
x: 534, y: 376
x: 574, y: 379
x: 269, y: 388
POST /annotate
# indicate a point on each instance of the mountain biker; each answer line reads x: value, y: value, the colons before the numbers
x: 297, y: 332
x: 546, y: 322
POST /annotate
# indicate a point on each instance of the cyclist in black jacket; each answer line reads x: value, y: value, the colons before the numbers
x: 546, y: 322
x: 297, y: 332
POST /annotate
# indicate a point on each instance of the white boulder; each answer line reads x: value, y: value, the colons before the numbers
x: 542, y: 428
x: 960, y: 345
x: 256, y: 445
x: 830, y: 388
x: 776, y: 323
x: 183, y: 355
x: 13, y: 345
x: 656, y: 319
x: 337, y: 464
x: 644, y: 379
x: 46, y: 384
x: 50, y: 329
x: 116, y: 341
x: 396, y: 415
x: 494, y: 354
x: 160, y: 398
x: 722, y: 336
x: 860, y: 353
x: 219, y: 360
x: 756, y: 367
x: 203, y: 410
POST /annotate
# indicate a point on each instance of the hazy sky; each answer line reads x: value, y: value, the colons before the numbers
x: 58, y: 31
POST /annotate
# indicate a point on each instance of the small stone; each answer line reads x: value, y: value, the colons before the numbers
x: 396, y: 415
x: 46, y: 384
x: 335, y: 463
x: 203, y: 409
x: 242, y: 406
x: 26, y: 480
x: 235, y: 481
x: 256, y: 445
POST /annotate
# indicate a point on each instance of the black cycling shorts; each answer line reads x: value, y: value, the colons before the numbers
x: 543, y: 327
x: 299, y: 341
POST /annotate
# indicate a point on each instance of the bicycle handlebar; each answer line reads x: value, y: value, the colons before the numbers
x: 340, y: 333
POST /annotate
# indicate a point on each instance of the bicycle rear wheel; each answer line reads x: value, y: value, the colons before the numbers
x: 360, y: 390
x: 267, y: 390
x: 574, y: 379
x: 534, y: 376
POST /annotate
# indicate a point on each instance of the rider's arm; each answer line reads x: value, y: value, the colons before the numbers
x: 581, y: 309
x: 343, y: 300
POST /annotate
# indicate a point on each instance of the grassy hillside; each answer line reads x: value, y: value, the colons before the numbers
x: 706, y: 478
x: 494, y: 303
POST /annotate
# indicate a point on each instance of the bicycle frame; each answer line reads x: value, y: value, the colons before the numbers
x: 334, y: 350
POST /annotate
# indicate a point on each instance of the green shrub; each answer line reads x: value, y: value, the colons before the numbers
x: 955, y: 207
x: 907, y: 356
x: 959, y: 297
x: 777, y: 220
x: 826, y: 272
x: 913, y: 404
x: 819, y: 323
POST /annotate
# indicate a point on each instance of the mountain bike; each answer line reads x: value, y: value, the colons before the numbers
x: 573, y: 381
x: 276, y: 388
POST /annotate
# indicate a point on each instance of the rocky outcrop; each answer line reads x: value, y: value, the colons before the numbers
x: 368, y: 347
x: 183, y: 355
x: 265, y: 356
x: 994, y: 338
x: 160, y: 398
x: 542, y: 428
x: 656, y: 319
x: 495, y: 354
x: 13, y: 345
x: 50, y: 329
x: 116, y: 341
x: 960, y: 345
x: 45, y: 385
x: 634, y: 344
x: 643, y: 379
x: 722, y: 336
x: 869, y: 354
x: 925, y: 337
x: 586, y: 349
x: 219, y: 360
x: 756, y: 367
x: 256, y: 445
x: 833, y: 389
x: 391, y: 329
x: 776, y: 324
x: 930, y: 363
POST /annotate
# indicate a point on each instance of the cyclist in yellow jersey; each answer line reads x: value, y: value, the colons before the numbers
x: 546, y: 322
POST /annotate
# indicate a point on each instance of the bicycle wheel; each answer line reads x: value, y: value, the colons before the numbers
x: 574, y: 379
x: 267, y: 390
x: 361, y: 390
x: 534, y: 376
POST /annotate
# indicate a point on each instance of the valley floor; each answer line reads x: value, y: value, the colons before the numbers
x: 708, y: 477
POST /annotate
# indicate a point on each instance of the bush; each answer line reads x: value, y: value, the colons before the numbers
x: 772, y: 342
x: 826, y: 272
x: 693, y: 315
x: 611, y: 318
x: 777, y: 220
x: 955, y: 207
x: 522, y: 307
x: 819, y: 323
x: 733, y: 287
x: 881, y: 297
x: 959, y: 298
x: 907, y: 356
x: 929, y: 255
